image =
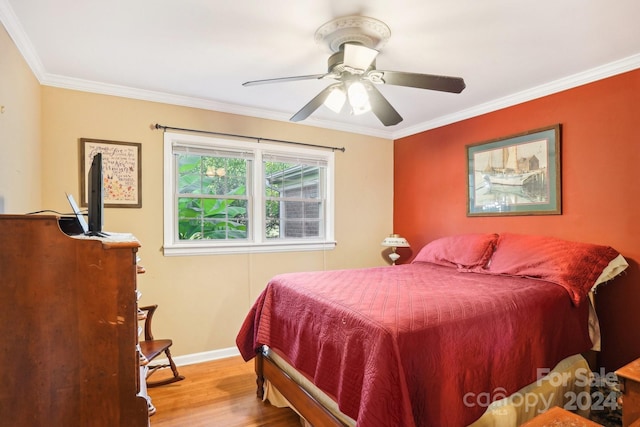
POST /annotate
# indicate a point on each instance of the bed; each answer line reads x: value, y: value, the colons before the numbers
x: 472, y: 319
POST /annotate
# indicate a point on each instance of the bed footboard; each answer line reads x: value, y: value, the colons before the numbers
x: 303, y: 403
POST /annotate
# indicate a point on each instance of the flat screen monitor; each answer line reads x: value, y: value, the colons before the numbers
x: 95, y: 196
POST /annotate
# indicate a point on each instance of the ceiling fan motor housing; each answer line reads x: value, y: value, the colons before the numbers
x: 335, y: 63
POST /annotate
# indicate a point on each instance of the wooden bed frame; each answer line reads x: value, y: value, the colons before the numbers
x: 305, y: 404
x: 299, y: 398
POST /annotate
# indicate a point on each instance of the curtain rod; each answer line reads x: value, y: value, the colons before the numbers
x: 257, y: 139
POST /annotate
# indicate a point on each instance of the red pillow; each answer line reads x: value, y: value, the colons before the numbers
x: 465, y: 251
x: 572, y: 265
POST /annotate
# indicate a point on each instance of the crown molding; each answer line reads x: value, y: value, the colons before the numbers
x: 24, y: 45
x: 15, y: 30
x: 19, y: 37
x: 575, y: 80
x: 201, y: 103
x: 598, y: 73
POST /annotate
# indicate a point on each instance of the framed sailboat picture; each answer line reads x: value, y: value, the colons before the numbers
x: 516, y: 175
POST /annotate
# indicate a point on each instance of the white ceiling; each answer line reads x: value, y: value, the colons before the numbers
x: 199, y: 52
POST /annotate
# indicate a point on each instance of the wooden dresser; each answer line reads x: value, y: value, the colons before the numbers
x: 68, y: 317
x: 558, y: 417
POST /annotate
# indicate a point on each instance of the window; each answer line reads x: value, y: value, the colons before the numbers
x: 224, y: 196
x: 211, y: 191
x: 294, y: 197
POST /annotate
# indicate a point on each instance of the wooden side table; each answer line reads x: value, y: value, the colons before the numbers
x: 559, y: 417
x: 629, y: 376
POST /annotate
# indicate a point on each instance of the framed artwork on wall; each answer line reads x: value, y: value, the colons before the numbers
x: 122, y: 172
x: 516, y: 175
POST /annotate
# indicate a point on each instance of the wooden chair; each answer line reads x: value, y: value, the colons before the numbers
x: 151, y: 348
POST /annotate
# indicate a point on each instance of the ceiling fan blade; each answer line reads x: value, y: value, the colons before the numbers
x: 314, y: 104
x: 383, y: 110
x: 358, y: 56
x: 283, y: 79
x: 422, y: 81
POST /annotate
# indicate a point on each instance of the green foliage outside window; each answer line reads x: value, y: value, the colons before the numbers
x: 213, y: 200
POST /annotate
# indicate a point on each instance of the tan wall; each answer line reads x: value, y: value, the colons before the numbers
x: 203, y: 299
x: 19, y: 132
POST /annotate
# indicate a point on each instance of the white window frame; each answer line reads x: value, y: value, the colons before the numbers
x: 255, y: 242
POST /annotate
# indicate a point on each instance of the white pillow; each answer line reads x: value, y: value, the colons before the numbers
x: 615, y: 267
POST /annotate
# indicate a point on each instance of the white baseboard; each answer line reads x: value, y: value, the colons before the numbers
x: 205, y: 356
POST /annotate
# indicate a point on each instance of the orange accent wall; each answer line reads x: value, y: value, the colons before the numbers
x: 600, y: 188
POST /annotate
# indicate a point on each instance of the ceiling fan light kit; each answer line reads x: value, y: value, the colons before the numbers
x: 336, y: 99
x: 358, y: 98
x: 355, y: 42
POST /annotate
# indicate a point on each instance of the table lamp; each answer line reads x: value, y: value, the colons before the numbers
x: 395, y: 241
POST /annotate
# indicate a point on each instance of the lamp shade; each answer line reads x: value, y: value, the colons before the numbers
x: 395, y: 241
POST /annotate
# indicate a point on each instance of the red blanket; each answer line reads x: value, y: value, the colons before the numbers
x: 418, y: 344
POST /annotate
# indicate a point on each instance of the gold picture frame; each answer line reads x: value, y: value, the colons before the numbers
x: 122, y: 171
x: 516, y: 175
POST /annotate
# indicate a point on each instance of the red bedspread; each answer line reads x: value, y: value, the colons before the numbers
x: 415, y: 345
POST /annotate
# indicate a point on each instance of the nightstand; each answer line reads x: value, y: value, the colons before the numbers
x: 559, y: 417
x: 629, y: 376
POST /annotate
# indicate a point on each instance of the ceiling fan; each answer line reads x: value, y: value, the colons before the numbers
x: 354, y: 41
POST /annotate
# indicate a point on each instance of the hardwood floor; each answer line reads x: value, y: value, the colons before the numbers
x: 218, y: 393
x: 223, y: 393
